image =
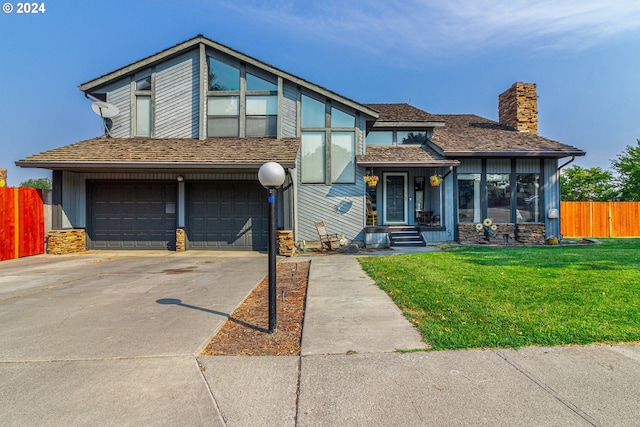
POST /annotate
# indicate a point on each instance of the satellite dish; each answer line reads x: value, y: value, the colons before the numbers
x: 104, y: 109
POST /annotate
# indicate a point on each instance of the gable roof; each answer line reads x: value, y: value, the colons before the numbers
x: 406, y: 155
x: 194, y: 43
x: 404, y: 115
x: 167, y: 153
x: 465, y: 135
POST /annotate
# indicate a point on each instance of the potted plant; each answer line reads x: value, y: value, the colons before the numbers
x: 435, y: 179
x: 371, y: 180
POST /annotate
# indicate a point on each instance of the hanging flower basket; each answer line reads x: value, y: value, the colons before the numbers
x: 371, y: 180
x: 435, y: 180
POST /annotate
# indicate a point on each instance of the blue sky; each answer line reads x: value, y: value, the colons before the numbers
x: 441, y: 56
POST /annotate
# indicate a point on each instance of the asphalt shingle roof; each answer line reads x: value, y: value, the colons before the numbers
x: 466, y: 135
x: 402, y: 113
x: 214, y: 152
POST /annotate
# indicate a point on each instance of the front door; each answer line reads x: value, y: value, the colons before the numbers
x: 395, y: 198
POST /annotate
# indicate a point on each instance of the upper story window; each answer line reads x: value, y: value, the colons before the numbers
x: 327, y: 133
x: 417, y: 137
x: 143, y: 107
x: 237, y: 109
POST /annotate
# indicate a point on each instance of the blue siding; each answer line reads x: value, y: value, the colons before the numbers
x: 119, y: 94
x: 551, y: 196
x: 288, y: 107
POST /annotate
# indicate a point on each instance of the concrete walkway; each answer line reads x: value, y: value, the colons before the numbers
x: 349, y: 373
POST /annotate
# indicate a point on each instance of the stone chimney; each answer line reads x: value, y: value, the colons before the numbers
x: 518, y: 107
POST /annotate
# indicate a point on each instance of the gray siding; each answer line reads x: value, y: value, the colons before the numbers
x: 74, y: 205
x: 470, y: 166
x: 288, y: 107
x: 528, y: 165
x: 551, y: 196
x: 340, y: 206
x: 177, y: 97
x: 499, y: 166
x: 119, y: 94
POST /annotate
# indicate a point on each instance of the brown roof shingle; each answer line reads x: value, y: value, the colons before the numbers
x: 168, y: 153
x: 402, y: 113
x: 466, y: 135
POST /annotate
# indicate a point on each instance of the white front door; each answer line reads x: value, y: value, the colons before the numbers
x: 395, y: 196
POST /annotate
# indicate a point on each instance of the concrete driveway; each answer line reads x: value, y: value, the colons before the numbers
x: 99, y: 320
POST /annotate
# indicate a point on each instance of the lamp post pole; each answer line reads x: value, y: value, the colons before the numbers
x: 272, y: 260
x: 271, y: 176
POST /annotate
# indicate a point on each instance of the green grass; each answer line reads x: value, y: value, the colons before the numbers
x: 487, y: 297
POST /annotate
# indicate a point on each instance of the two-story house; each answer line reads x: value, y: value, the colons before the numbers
x: 177, y: 168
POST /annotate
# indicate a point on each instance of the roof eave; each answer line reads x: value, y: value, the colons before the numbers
x: 408, y: 164
x: 62, y: 165
x: 521, y: 153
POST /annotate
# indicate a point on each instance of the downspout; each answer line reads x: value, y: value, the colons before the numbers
x: 559, y: 198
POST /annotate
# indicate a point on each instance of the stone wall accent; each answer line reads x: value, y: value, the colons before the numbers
x: 286, y: 245
x: 69, y: 241
x: 181, y: 240
x: 518, y: 107
x: 504, y: 233
x: 530, y: 233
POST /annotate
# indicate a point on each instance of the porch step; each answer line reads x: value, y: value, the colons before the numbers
x: 405, y: 236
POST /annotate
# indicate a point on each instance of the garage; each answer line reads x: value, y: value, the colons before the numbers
x: 226, y: 215
x: 132, y: 215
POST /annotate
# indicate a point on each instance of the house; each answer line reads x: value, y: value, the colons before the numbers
x: 177, y: 167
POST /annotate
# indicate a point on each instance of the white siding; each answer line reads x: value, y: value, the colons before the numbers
x: 177, y: 97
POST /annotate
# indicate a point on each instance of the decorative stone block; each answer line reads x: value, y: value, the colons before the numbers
x: 530, y: 233
x: 69, y: 241
x: 181, y: 240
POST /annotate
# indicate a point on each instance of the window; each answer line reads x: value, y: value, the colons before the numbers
x: 469, y: 198
x: 343, y: 168
x: 498, y: 197
x: 325, y: 137
x: 258, y: 117
x: 340, y: 119
x: 223, y: 77
x: 528, y: 197
x: 313, y: 158
x: 143, y: 107
x: 380, y: 138
x: 312, y: 113
x: 413, y: 137
x: 262, y: 115
x: 223, y: 113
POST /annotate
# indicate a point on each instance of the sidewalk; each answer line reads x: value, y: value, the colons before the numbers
x: 350, y: 375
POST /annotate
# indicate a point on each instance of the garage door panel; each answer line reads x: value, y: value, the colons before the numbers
x: 127, y: 215
x: 226, y: 215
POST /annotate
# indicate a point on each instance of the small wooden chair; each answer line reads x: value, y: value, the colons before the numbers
x: 372, y: 215
x: 330, y: 241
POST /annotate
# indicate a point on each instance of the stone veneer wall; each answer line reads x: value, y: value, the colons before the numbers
x: 518, y: 107
x: 181, y: 240
x: 68, y: 241
x: 525, y: 233
x: 530, y: 233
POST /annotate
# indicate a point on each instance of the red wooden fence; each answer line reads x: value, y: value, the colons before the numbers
x: 21, y: 222
x: 600, y: 219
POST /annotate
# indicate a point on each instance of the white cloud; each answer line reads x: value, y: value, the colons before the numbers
x: 441, y: 28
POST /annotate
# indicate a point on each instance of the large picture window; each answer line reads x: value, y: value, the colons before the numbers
x: 469, y: 198
x: 528, y: 197
x: 223, y: 115
x: 498, y: 197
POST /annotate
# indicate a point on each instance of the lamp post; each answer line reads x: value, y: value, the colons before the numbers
x: 271, y: 175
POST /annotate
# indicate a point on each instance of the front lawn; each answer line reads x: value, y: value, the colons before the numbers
x: 476, y: 296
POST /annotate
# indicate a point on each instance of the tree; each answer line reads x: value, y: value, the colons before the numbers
x: 42, y: 183
x: 627, y: 165
x: 583, y: 185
